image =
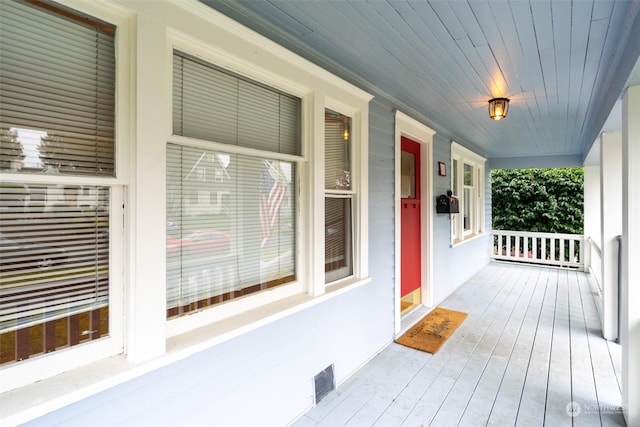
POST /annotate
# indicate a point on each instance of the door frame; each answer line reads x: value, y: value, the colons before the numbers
x: 416, y: 131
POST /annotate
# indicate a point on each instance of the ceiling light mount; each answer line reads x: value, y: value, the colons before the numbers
x: 498, y: 108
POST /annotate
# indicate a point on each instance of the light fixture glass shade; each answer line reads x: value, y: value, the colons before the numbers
x: 498, y: 108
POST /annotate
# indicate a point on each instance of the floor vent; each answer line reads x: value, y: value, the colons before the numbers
x: 324, y: 383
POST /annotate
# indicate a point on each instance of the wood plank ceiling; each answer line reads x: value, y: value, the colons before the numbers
x: 562, y: 63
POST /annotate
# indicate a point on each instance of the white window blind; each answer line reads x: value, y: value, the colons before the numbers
x: 54, y: 266
x: 231, y: 218
x: 215, y: 105
x: 57, y: 84
x: 338, y: 197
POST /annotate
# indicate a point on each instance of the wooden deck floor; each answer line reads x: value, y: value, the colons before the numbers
x: 531, y: 346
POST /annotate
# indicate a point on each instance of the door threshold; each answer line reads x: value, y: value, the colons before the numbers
x: 411, y: 318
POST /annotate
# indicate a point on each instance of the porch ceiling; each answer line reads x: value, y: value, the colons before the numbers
x: 563, y: 64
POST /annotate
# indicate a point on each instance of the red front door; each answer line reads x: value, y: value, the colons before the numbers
x: 410, y: 259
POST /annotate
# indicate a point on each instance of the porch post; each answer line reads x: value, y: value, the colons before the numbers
x: 630, y: 321
x: 146, y: 294
x: 611, y: 227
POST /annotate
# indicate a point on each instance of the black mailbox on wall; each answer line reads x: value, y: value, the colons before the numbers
x: 447, y: 204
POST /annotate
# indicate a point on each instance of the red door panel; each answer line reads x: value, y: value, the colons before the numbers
x: 410, y: 242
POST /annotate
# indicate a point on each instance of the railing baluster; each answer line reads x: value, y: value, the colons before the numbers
x: 572, y: 258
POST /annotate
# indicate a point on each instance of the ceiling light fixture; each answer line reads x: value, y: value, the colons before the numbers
x: 498, y: 108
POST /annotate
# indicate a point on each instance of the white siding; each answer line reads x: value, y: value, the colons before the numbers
x: 452, y: 266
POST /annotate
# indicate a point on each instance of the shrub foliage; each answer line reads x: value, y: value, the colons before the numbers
x: 538, y: 200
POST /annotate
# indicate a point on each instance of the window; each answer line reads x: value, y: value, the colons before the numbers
x: 467, y: 176
x: 57, y: 71
x: 54, y: 269
x: 249, y: 245
x: 338, y: 197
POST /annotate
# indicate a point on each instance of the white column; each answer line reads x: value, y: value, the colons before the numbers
x: 611, y: 227
x: 630, y: 324
x: 592, y: 223
x: 315, y: 170
x: 146, y: 288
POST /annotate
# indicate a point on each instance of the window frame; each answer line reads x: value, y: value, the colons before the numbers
x: 333, y: 95
x: 54, y: 363
x: 464, y: 157
x: 337, y: 194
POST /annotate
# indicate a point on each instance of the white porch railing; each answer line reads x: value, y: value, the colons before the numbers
x: 561, y: 250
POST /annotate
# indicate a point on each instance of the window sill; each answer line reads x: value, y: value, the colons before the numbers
x: 35, y: 400
x: 469, y: 238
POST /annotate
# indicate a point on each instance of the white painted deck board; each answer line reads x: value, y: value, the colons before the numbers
x: 531, y: 344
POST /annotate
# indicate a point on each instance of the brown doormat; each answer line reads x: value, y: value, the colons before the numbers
x: 433, y: 330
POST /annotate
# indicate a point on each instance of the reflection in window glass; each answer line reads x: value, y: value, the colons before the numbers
x: 338, y: 236
x: 454, y: 176
x: 337, y: 157
x: 58, y: 91
x: 408, y: 175
x: 238, y: 237
x: 54, y: 267
x: 467, y: 203
x: 468, y: 174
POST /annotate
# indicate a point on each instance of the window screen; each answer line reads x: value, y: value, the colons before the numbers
x: 57, y: 77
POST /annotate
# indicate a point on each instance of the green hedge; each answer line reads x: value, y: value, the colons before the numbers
x: 538, y: 200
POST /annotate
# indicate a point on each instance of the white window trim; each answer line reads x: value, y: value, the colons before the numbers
x: 310, y: 261
x: 465, y: 156
x: 359, y: 190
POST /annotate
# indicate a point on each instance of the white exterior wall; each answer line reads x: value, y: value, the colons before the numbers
x: 452, y: 266
x: 630, y: 323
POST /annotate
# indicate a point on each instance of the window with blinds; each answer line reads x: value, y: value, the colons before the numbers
x: 57, y: 78
x: 231, y: 217
x: 339, y: 196
x: 54, y: 267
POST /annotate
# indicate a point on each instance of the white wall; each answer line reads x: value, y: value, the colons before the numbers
x: 452, y: 266
x: 630, y: 324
